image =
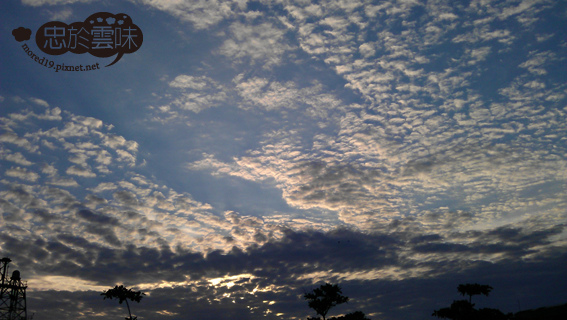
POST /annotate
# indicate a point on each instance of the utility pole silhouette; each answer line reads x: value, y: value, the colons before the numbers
x: 12, y: 294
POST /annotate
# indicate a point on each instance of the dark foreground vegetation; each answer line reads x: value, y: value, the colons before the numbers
x: 327, y: 296
x: 123, y: 294
x: 546, y: 313
x: 465, y: 309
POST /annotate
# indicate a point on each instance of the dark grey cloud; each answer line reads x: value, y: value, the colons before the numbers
x: 426, y: 238
x: 76, y: 241
x: 97, y: 218
x: 338, y: 250
x: 441, y: 248
x: 531, y: 284
x: 107, y: 233
x: 285, y: 265
x: 126, y: 197
x: 45, y: 215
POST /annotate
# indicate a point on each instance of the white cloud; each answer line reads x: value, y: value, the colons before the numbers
x: 13, y: 138
x: 48, y: 170
x: 40, y: 102
x: 274, y: 95
x: 115, y: 141
x: 256, y: 44
x: 36, y: 3
x: 479, y: 54
x: 80, y: 171
x: 104, y: 186
x: 143, y: 213
x: 17, y: 158
x: 63, y: 182
x: 367, y: 50
x: 60, y: 15
x: 191, y: 82
x: 22, y: 173
x: 202, y: 14
x: 44, y: 283
x: 103, y: 157
x: 194, y: 93
x: 537, y: 61
x: 524, y: 9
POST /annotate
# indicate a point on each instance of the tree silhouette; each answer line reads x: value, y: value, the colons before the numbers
x: 474, y: 289
x: 492, y: 314
x: 459, y: 310
x: 123, y: 294
x: 325, y: 297
x: 464, y: 310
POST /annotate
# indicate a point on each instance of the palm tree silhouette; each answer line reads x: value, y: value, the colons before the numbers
x: 123, y: 294
x: 474, y: 289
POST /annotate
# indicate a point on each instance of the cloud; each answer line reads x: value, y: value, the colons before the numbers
x: 312, y: 101
x: 13, y: 138
x: 17, y: 157
x: 104, y: 186
x: 114, y: 141
x: 48, y: 169
x: 96, y: 218
x: 40, y: 102
x: 80, y: 171
x: 256, y: 44
x: 36, y: 3
x: 201, y: 14
x: 525, y: 11
x: 63, y: 182
x: 277, y: 270
x: 61, y: 15
x: 47, y: 283
x: 479, y: 54
x: 367, y: 50
x: 537, y: 61
x: 126, y: 198
x: 153, y: 213
x: 75, y: 134
x: 48, y: 114
x: 125, y: 156
x: 195, y: 93
x: 191, y: 82
x: 22, y: 173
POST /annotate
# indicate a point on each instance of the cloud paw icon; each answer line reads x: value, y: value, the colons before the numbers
x: 22, y: 34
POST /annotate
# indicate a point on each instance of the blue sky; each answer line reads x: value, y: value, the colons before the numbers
x: 251, y: 150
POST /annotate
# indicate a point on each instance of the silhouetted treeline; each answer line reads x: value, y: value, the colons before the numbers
x: 546, y: 313
x: 465, y: 310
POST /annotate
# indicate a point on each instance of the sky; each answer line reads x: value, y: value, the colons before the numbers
x: 249, y: 151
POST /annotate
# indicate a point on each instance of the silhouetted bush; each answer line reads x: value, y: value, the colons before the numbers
x: 464, y: 310
x: 327, y: 296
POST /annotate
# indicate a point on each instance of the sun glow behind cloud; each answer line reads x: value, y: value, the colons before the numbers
x: 229, y: 281
x: 62, y: 283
